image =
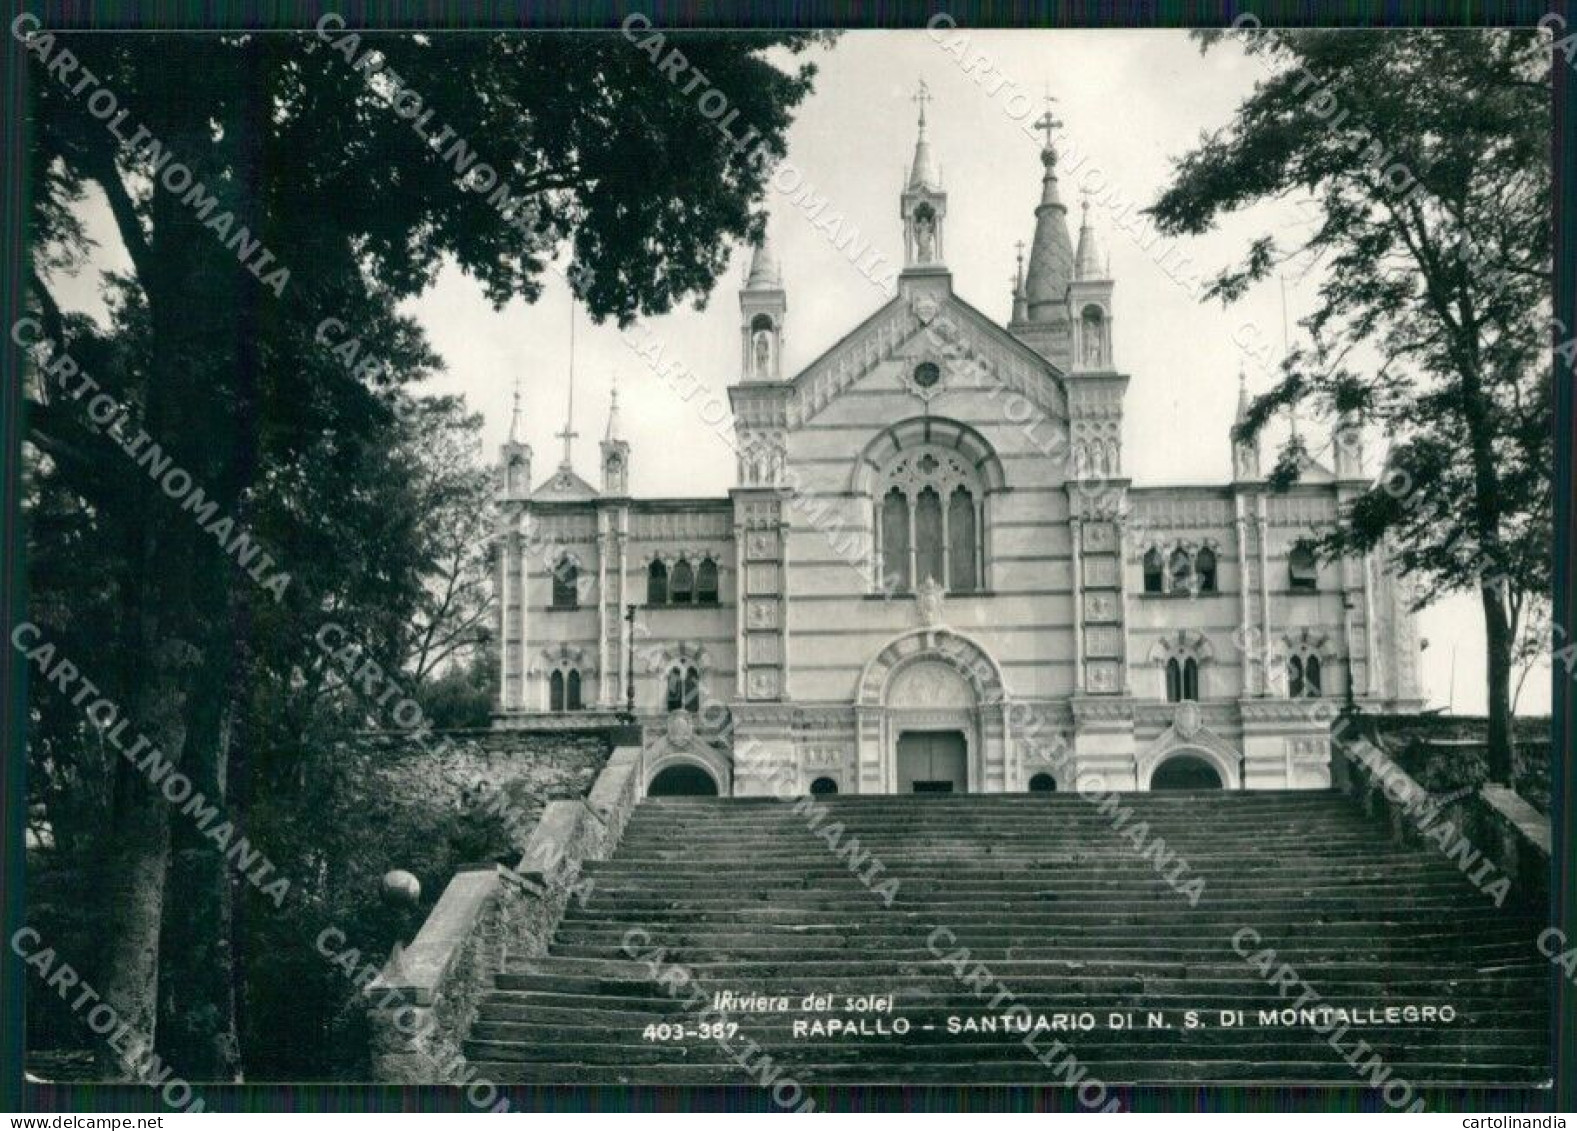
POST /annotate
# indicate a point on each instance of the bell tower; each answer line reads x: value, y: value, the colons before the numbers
x: 923, y: 204
x: 763, y: 305
x: 615, y: 451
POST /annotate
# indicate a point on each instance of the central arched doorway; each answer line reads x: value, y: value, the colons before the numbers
x: 1185, y: 771
x: 682, y: 781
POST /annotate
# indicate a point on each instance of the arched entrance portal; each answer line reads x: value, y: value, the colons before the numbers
x: 682, y: 781
x: 1185, y: 771
x: 931, y: 716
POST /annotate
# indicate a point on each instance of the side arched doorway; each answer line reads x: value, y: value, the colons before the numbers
x: 682, y: 780
x: 1185, y: 771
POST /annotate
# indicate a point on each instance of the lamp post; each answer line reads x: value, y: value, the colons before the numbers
x: 1351, y: 707
x: 629, y: 664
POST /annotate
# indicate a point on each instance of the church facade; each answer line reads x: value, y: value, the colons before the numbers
x: 932, y: 573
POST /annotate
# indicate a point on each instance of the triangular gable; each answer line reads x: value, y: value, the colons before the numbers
x: 955, y: 330
x: 564, y: 486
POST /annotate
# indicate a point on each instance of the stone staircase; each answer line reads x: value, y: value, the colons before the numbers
x: 1060, y: 915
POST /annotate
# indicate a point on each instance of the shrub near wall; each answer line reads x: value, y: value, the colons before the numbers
x: 380, y: 802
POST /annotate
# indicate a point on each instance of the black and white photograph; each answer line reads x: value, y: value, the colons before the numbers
x: 559, y: 565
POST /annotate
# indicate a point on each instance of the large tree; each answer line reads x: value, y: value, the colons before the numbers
x: 306, y: 147
x: 1428, y: 156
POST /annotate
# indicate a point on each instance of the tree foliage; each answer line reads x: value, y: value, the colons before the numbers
x: 1428, y: 155
x: 297, y: 154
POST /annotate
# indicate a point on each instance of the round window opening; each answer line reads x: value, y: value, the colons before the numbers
x: 926, y: 374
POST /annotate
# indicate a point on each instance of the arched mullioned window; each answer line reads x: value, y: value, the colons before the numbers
x: 1295, y: 677
x: 928, y: 522
x: 928, y: 548
x: 657, y: 582
x: 566, y: 587
x: 1153, y: 571
x: 564, y: 690
x: 684, y: 688
x: 1185, y: 570
x: 1181, y: 656
x: 1311, y: 677
x: 961, y: 541
x: 706, y: 582
x: 681, y: 583
x: 1205, y: 569
x: 895, y: 541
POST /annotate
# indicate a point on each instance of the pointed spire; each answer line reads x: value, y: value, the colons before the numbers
x: 922, y: 172
x: 1089, y: 263
x: 764, y: 273
x: 1051, y: 255
x: 1020, y: 302
x: 569, y: 434
x: 612, y: 434
x: 514, y: 413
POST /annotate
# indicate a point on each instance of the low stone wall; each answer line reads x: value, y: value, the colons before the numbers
x: 423, y: 1004
x: 1444, y: 752
x: 1499, y: 841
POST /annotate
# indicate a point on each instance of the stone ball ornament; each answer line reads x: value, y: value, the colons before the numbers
x: 400, y: 888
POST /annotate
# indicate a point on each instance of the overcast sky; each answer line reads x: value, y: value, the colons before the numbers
x: 1131, y: 102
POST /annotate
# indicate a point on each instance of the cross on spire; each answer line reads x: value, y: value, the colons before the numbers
x: 921, y: 96
x: 568, y: 434
x: 1048, y: 121
x: 514, y: 413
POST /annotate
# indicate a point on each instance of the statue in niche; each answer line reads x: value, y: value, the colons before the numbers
x: 1092, y: 344
x: 925, y: 236
x: 763, y: 353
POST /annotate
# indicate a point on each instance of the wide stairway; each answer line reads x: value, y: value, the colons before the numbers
x: 1066, y: 924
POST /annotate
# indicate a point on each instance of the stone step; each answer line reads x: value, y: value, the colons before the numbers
x: 1240, y: 984
x: 1064, y: 915
x: 813, y: 851
x: 1011, y: 878
x: 1222, y: 964
x: 1169, y: 907
x: 1133, y: 950
x: 1063, y: 888
x: 1397, y: 925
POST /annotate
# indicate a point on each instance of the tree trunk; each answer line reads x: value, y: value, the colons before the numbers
x: 137, y: 858
x: 1498, y: 648
x: 197, y: 980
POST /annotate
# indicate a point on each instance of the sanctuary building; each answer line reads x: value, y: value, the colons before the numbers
x: 932, y: 574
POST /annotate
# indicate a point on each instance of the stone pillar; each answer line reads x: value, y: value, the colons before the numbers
x: 604, y: 552
x: 1074, y: 527
x: 1246, y: 658
x: 1262, y: 529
